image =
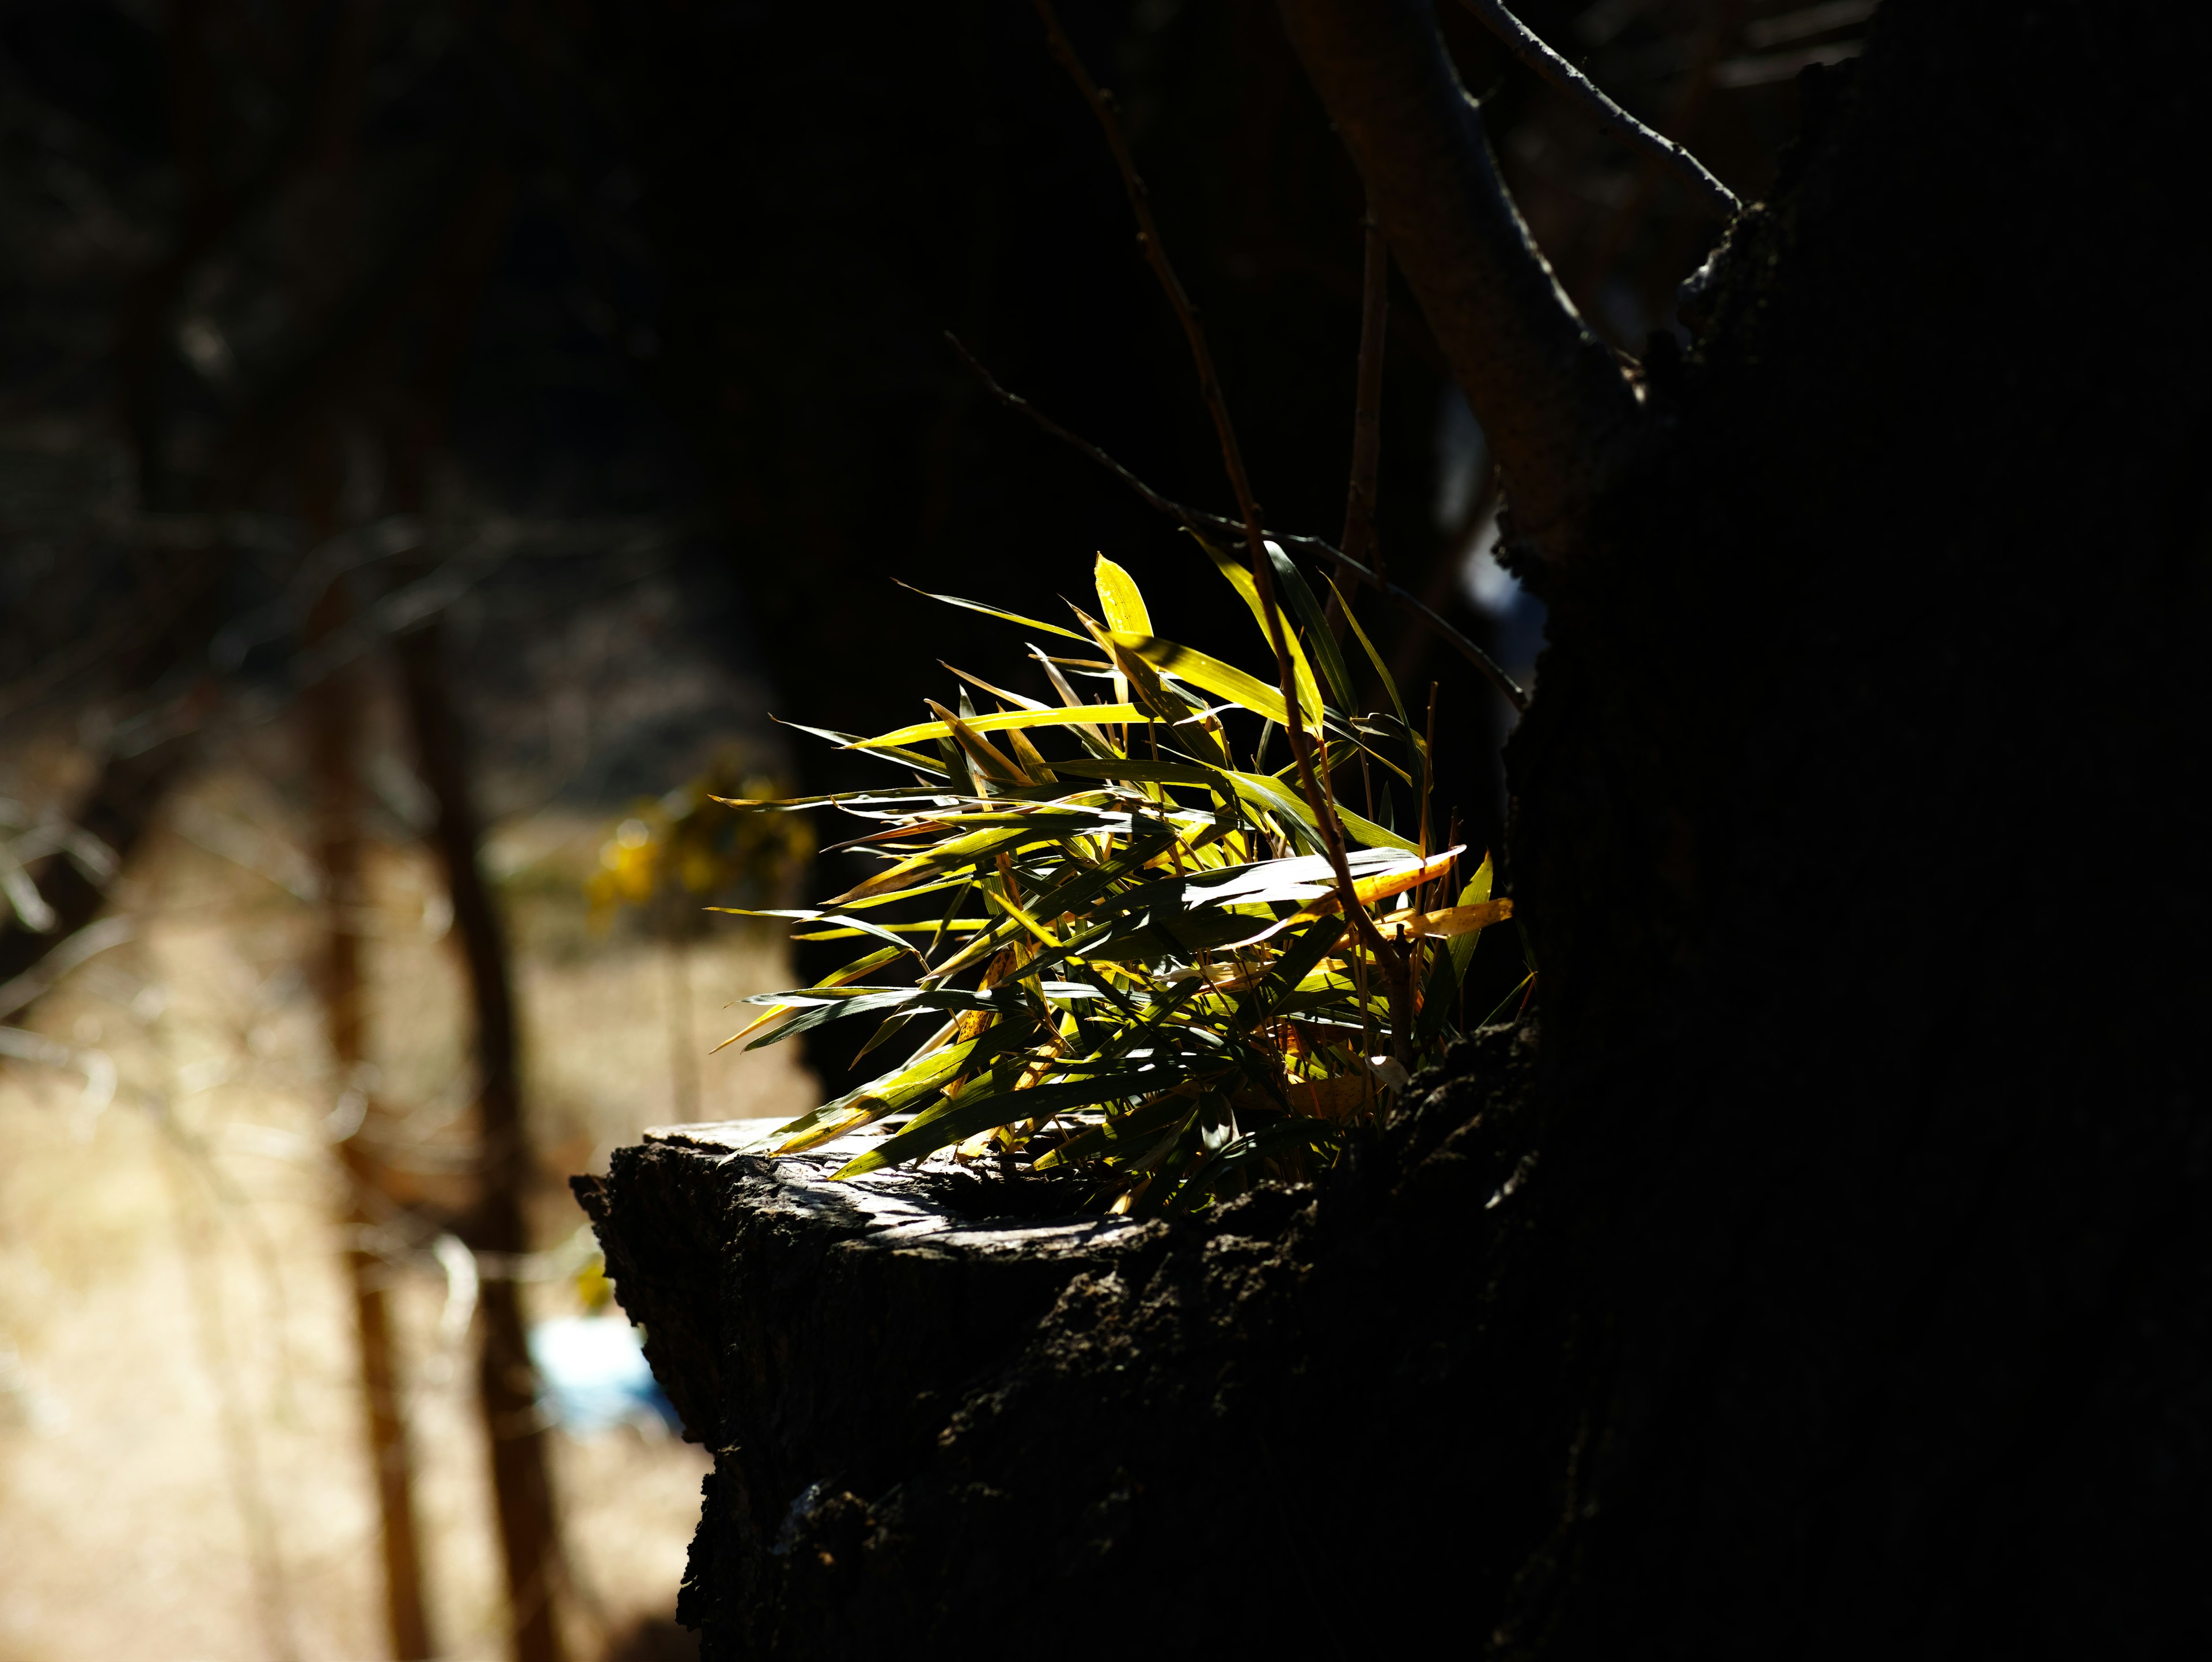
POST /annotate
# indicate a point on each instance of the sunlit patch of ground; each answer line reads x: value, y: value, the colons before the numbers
x: 182, y: 1470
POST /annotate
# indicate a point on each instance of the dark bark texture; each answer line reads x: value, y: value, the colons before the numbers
x: 1835, y: 1278
x: 942, y: 1428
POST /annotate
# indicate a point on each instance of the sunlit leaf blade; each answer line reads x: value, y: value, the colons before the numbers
x: 993, y: 611
x: 1453, y: 920
x: 1120, y: 600
x: 912, y: 758
x: 1247, y: 590
x: 1090, y: 714
x: 1161, y: 929
x: 1476, y: 892
x: 899, y: 1089
x: 1291, y: 583
x: 845, y: 925
x: 977, y: 681
x: 850, y: 972
x: 994, y: 763
x: 1208, y: 673
x: 1375, y: 658
x: 1282, y: 801
x: 983, y: 1112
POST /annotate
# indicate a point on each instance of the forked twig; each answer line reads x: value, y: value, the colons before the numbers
x: 1318, y: 547
x: 1530, y: 48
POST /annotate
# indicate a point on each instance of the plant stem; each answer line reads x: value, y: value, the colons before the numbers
x: 1359, y: 537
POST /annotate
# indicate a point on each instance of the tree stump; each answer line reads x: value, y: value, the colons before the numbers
x: 939, y: 1428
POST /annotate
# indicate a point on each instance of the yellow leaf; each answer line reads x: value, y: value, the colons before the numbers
x: 994, y: 761
x: 1080, y: 715
x: 1240, y: 579
x: 1207, y: 673
x: 1455, y: 920
x: 1383, y: 885
x: 1124, y: 606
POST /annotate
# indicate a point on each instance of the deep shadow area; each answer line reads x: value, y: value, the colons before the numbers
x: 1832, y: 1279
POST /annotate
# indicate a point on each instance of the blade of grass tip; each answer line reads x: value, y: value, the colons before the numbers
x: 912, y: 758
x: 990, y: 611
x: 1476, y: 892
x: 1249, y: 591
x: 979, y: 683
x: 951, y: 910
x: 1508, y: 999
x: 1004, y: 720
x: 850, y: 972
x: 1314, y: 621
x: 1390, y: 685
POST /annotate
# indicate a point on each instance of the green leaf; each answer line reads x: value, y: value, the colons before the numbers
x: 1291, y: 581
x: 1125, y: 1134
x: 902, y: 1087
x: 1306, y: 949
x: 1374, y: 657
x: 1207, y: 672
x: 1241, y: 579
x: 845, y: 925
x: 970, y: 1114
x: 1271, y: 793
x: 1462, y: 946
x: 913, y: 758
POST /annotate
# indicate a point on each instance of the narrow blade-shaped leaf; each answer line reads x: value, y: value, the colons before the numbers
x: 1120, y: 599
x: 1080, y: 715
x: 983, y: 1112
x: 993, y: 611
x: 1291, y: 582
x: 1247, y: 590
x: 1210, y: 674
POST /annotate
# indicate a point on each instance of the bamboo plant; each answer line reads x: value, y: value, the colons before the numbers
x: 1120, y: 940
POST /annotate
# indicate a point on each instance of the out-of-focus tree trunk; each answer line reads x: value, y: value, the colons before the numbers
x: 522, y: 1485
x: 333, y: 715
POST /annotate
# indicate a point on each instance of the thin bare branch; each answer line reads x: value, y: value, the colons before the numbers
x: 1559, y: 409
x: 1529, y: 47
x: 1359, y: 541
x: 1317, y: 547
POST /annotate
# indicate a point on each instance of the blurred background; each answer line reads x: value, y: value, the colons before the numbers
x: 433, y: 438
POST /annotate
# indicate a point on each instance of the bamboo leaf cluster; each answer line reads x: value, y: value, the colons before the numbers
x: 1128, y: 959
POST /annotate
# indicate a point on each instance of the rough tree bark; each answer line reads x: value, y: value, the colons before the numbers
x: 1834, y: 1275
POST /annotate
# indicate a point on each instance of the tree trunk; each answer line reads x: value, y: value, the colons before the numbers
x: 333, y: 713
x: 506, y: 1383
x: 1834, y: 1276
